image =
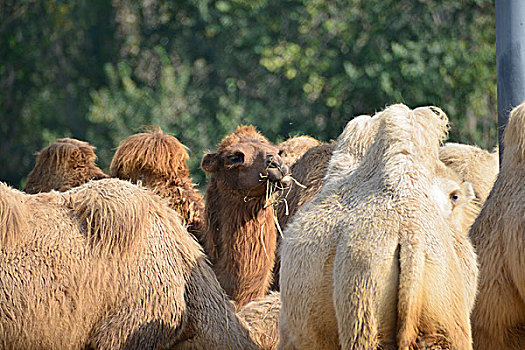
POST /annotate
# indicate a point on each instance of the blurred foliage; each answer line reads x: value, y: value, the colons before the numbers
x: 98, y: 71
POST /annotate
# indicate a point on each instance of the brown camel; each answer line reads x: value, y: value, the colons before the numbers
x: 64, y: 164
x: 159, y: 163
x: 498, y: 318
x: 106, y: 265
x: 240, y: 237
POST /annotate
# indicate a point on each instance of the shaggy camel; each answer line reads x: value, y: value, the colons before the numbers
x: 106, y: 265
x: 498, y: 318
x: 293, y: 148
x: 472, y: 164
x: 159, y: 162
x: 240, y: 236
x: 385, y: 269
x: 64, y: 164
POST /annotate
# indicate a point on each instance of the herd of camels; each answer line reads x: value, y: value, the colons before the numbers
x: 385, y: 238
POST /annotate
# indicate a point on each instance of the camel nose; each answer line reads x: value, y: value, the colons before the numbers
x: 277, y: 169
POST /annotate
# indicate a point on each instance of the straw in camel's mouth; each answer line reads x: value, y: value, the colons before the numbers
x: 282, y: 187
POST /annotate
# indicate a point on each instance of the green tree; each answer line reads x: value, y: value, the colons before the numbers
x: 198, y: 68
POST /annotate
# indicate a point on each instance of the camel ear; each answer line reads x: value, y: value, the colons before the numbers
x: 210, y: 162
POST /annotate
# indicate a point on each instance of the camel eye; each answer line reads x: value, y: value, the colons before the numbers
x: 454, y: 197
x: 236, y: 158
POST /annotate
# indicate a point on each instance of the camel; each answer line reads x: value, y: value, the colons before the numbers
x: 107, y: 265
x: 159, y: 162
x: 387, y: 266
x: 64, y: 164
x: 293, y: 148
x: 262, y: 319
x: 240, y: 236
x: 472, y: 164
x: 497, y: 234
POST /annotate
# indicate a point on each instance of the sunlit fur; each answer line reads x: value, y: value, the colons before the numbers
x: 64, y: 164
x: 473, y: 164
x: 107, y: 265
x: 371, y: 262
x: 498, y: 235
x: 293, y: 148
x: 262, y: 319
x: 240, y: 238
x: 159, y: 162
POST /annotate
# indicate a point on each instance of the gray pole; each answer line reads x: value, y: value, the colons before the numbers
x: 510, y: 57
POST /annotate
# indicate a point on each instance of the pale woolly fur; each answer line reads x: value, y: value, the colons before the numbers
x: 498, y: 236
x: 92, y: 274
x: 384, y: 268
x: 472, y: 164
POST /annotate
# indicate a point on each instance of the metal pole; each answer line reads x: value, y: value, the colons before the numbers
x: 510, y: 59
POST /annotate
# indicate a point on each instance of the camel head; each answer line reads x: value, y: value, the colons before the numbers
x: 64, y: 164
x: 245, y: 162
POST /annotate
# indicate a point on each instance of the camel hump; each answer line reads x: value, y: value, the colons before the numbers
x: 72, y: 151
x: 418, y: 132
x: 13, y: 221
x: 151, y: 151
x: 116, y: 214
x: 514, y: 137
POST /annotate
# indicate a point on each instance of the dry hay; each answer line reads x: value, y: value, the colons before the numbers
x: 497, y: 235
x: 385, y: 269
x: 64, y: 164
x: 108, y: 265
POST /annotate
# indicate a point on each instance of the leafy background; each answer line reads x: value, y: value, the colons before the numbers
x: 98, y: 70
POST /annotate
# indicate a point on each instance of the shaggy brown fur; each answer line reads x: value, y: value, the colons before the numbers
x: 64, y: 164
x: 385, y: 268
x: 159, y: 162
x: 108, y: 266
x: 293, y: 148
x: 498, y: 320
x: 262, y: 318
x: 241, y: 235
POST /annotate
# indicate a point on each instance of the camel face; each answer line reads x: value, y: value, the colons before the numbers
x: 247, y: 166
x: 450, y: 195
